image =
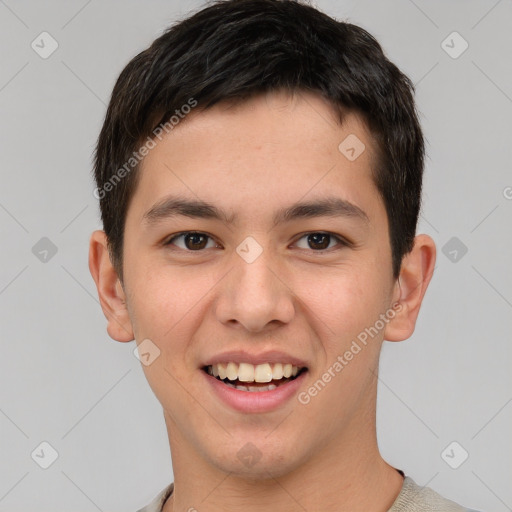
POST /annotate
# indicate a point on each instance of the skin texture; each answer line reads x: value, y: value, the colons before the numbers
x: 252, y: 159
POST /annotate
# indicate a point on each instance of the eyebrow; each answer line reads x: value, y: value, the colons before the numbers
x: 173, y: 206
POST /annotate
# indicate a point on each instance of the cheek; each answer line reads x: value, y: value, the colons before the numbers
x: 158, y: 301
x: 169, y: 306
x: 163, y: 307
x: 344, y: 299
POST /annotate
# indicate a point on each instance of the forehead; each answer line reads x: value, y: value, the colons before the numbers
x: 287, y: 146
x: 271, y: 114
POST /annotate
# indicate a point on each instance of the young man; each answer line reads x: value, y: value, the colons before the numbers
x: 259, y: 173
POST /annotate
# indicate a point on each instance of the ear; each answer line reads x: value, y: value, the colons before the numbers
x: 415, y: 274
x: 110, y: 291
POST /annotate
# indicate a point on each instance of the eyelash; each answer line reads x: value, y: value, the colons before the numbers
x: 341, y: 241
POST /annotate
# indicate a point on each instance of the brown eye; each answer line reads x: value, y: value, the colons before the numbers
x: 192, y: 240
x: 195, y: 241
x: 319, y: 241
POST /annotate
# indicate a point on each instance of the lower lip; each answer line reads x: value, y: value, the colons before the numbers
x: 255, y: 401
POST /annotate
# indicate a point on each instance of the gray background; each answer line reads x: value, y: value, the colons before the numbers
x: 65, y: 382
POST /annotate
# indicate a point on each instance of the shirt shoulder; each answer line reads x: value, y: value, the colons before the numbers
x: 414, y: 498
x: 158, y: 501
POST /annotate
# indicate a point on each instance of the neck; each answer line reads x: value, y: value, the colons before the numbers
x: 347, y: 474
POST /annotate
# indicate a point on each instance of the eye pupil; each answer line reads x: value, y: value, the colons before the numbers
x: 195, y: 237
x: 315, y: 237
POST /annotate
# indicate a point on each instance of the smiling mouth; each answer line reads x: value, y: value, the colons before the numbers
x: 245, y: 377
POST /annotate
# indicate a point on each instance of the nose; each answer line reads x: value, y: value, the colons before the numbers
x: 255, y: 295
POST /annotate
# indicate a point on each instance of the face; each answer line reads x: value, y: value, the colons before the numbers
x: 266, y: 282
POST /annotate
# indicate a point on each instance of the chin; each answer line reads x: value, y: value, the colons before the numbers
x: 257, y: 458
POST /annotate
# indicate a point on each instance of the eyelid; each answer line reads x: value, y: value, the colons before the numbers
x: 168, y: 240
x: 342, y: 242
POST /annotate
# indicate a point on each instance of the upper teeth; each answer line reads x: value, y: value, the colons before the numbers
x: 247, y: 372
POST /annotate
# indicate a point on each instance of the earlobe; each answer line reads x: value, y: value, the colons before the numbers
x: 415, y: 275
x: 110, y: 291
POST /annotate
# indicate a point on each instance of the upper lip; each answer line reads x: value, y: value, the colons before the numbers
x: 242, y: 356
